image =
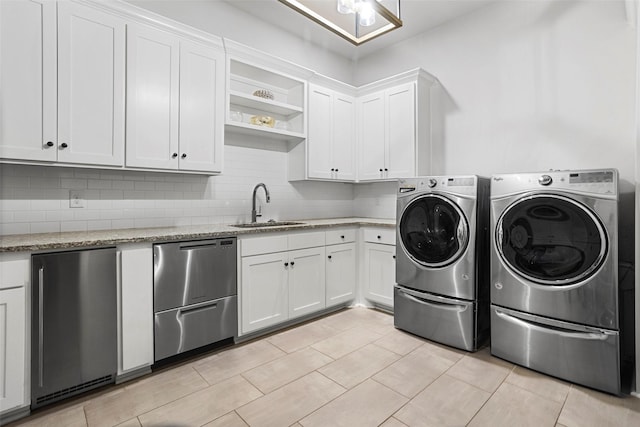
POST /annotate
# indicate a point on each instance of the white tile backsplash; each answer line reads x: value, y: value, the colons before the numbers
x: 35, y: 199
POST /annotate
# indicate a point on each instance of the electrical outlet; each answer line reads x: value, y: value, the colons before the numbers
x: 76, y: 199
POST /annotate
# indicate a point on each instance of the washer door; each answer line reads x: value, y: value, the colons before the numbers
x: 551, y: 240
x: 433, y: 231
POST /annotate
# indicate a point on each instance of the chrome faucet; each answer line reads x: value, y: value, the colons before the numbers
x: 254, y: 213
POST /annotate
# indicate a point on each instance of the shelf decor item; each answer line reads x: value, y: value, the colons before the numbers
x: 263, y: 93
x: 263, y: 121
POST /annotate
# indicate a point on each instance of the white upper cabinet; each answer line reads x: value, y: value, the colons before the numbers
x: 28, y: 80
x: 62, y: 83
x: 153, y: 62
x: 201, y: 107
x: 174, y: 102
x: 394, y: 127
x: 331, y: 140
x: 91, y: 82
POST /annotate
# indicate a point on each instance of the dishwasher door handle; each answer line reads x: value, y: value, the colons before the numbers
x: 197, y: 307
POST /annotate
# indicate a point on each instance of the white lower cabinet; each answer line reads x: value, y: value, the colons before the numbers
x: 306, y: 281
x: 281, y: 277
x: 14, y: 283
x: 264, y: 293
x: 341, y: 266
x: 379, y: 266
x: 135, y: 286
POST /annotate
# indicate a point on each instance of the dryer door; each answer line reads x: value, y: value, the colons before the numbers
x: 551, y: 240
x: 433, y: 231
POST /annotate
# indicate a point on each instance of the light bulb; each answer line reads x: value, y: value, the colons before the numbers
x: 367, y: 14
x: 345, y: 6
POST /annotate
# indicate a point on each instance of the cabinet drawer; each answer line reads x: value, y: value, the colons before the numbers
x: 306, y: 240
x: 334, y: 237
x: 15, y: 270
x: 263, y: 245
x: 385, y: 236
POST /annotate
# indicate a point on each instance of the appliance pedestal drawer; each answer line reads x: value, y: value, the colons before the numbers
x: 195, y: 325
x: 577, y: 353
x: 445, y: 320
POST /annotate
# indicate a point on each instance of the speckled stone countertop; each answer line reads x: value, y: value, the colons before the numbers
x: 68, y: 240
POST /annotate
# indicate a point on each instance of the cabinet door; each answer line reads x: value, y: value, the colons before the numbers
x: 152, y: 98
x: 264, y: 299
x: 319, y: 133
x: 371, y: 126
x: 28, y: 80
x: 401, y: 131
x: 135, y: 283
x: 341, y: 273
x: 379, y: 273
x: 91, y: 84
x: 344, y: 137
x: 201, y: 107
x: 12, y: 342
x: 306, y: 281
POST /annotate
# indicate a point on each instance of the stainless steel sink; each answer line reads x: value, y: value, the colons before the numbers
x: 266, y: 224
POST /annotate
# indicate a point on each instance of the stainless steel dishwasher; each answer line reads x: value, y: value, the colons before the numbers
x: 195, y: 287
x: 74, y: 323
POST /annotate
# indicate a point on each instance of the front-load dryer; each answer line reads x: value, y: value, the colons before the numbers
x: 442, y: 259
x: 554, y: 274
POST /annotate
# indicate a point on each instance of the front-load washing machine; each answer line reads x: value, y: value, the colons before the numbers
x: 442, y: 259
x: 554, y: 274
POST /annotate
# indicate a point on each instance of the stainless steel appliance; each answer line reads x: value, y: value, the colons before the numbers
x: 442, y: 259
x: 554, y: 274
x: 74, y: 323
x: 195, y: 287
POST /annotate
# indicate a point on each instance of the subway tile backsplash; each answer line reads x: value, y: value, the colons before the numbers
x: 35, y: 199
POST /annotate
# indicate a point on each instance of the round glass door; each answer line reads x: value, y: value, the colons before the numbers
x: 551, y: 240
x: 433, y: 231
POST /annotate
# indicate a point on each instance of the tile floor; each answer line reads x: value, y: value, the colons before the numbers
x: 350, y: 368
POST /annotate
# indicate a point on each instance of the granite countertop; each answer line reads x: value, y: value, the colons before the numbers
x: 48, y: 241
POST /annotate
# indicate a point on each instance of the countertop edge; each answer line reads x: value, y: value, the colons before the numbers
x: 68, y: 240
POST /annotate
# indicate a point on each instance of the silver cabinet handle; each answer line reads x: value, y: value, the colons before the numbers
x: 40, y: 326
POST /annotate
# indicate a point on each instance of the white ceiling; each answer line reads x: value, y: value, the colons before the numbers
x: 418, y: 16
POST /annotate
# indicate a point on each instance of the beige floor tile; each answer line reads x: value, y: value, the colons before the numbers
x: 203, y: 406
x: 346, y: 342
x: 131, y: 423
x: 373, y: 320
x: 143, y: 395
x: 236, y: 360
x: 303, y: 336
x: 393, y: 422
x: 288, y: 404
x: 415, y: 371
x: 232, y: 419
x: 400, y: 342
x: 446, y: 402
x: 444, y: 351
x: 586, y: 408
x: 481, y: 370
x: 539, y: 384
x: 511, y: 405
x: 355, y: 367
x: 368, y: 404
x: 69, y: 417
x: 283, y: 370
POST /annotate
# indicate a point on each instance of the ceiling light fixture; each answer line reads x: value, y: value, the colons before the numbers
x: 357, y: 21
